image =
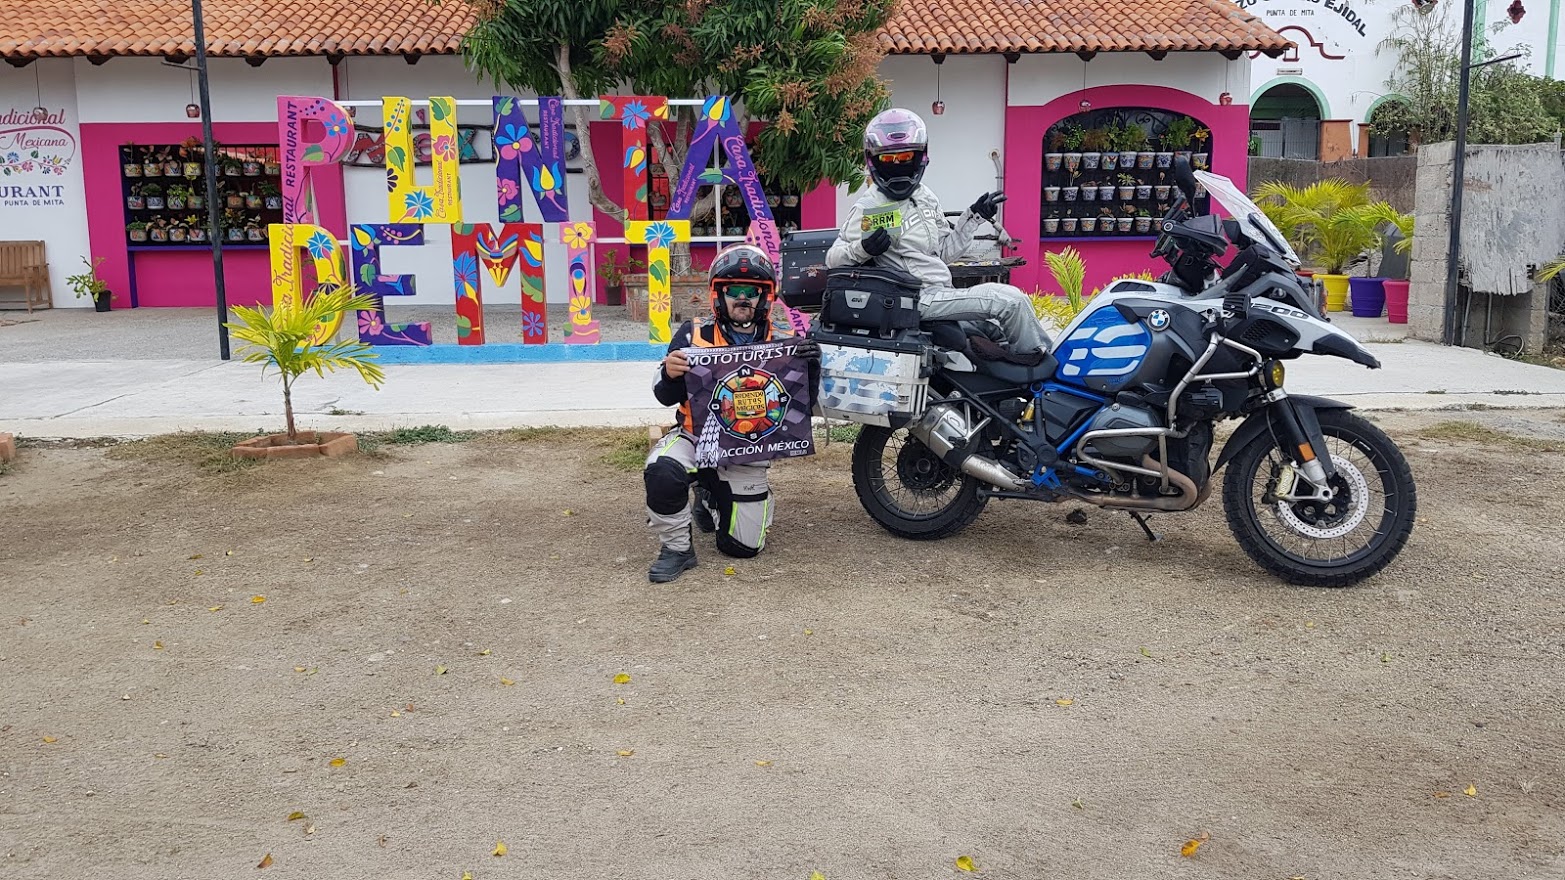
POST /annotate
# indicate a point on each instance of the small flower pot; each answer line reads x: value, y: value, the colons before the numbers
x: 158, y: 234
x: 1144, y: 191
x: 1143, y: 224
x: 154, y: 203
x: 1110, y: 161
x: 1165, y: 159
x: 1069, y: 224
x: 1106, y: 193
x: 234, y: 234
x: 198, y: 235
x: 773, y: 201
x: 254, y: 233
x: 1368, y: 296
x: 1126, y: 193
x: 235, y: 201
x: 1127, y: 159
x: 131, y: 169
x: 1053, y: 161
x: 274, y: 203
x: 1162, y: 191
x: 138, y: 234
x: 1072, y: 161
x: 1071, y: 193
x: 252, y: 169
x: 151, y: 169
x: 177, y: 234
x: 1145, y: 160
x: 1124, y: 223
x: 1182, y: 154
x: 171, y: 168
x: 790, y: 201
x: 231, y: 171
x: 1051, y: 193
x: 1051, y: 225
x: 1089, y: 224
x: 274, y: 169
x: 196, y: 203
x: 176, y: 203
x: 135, y: 203
x: 1089, y: 161
x: 1396, y: 301
x: 1089, y: 193
x: 1199, y: 160
x: 101, y: 302
x: 192, y: 170
x: 253, y: 202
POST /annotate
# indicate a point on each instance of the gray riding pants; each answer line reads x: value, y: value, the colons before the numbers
x: 739, y: 497
x: 1007, y: 305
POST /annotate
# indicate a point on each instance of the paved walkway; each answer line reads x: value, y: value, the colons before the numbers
x: 77, y: 395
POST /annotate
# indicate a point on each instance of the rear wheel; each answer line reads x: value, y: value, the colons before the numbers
x: 906, y: 488
x: 1333, y: 543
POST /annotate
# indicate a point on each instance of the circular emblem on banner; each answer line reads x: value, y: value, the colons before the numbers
x: 864, y: 224
x: 750, y: 403
x: 1158, y: 319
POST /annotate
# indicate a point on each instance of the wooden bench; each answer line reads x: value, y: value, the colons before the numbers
x: 24, y: 265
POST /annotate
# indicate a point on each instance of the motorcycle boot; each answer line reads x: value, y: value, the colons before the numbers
x: 670, y: 564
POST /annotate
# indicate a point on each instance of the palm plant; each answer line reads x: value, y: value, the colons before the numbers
x: 1070, y: 272
x: 1381, y: 214
x: 1547, y: 271
x: 1321, y: 220
x: 284, y: 338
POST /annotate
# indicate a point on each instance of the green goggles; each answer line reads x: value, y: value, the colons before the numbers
x: 742, y: 291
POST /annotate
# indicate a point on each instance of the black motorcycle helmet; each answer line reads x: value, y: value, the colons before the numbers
x: 742, y: 267
x: 896, y: 146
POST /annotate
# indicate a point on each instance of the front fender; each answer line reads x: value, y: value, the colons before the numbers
x: 1258, y: 424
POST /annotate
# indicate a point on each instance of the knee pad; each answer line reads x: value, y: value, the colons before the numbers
x: 668, y: 486
x: 730, y: 547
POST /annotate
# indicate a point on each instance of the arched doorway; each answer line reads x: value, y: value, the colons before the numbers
x: 1394, y: 140
x: 1285, y: 122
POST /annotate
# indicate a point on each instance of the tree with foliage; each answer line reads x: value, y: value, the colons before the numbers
x: 806, y: 67
x: 1505, y: 103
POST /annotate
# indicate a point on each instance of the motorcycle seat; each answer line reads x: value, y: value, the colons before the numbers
x: 954, y: 335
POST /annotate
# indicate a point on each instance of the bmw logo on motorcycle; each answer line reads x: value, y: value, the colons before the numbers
x: 1158, y: 320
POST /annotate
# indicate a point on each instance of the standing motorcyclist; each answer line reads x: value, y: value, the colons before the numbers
x: 734, y: 500
x: 898, y: 222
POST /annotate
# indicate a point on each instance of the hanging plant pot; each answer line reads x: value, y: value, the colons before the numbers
x: 171, y: 168
x: 154, y: 203
x: 1051, y: 225
x: 253, y: 201
x: 254, y: 233
x: 1052, y: 161
x: 177, y: 234
x: 192, y: 170
x: 1072, y: 161
x: 1144, y: 191
x: 235, y: 234
x: 1143, y: 224
x: 135, y: 203
x: 1144, y: 160
x: 131, y: 169
x: 1071, y: 192
x: 1089, y: 193
x: 1126, y: 193
x: 1200, y: 160
x: 159, y: 234
x: 274, y: 203
x: 1124, y: 223
x: 1106, y: 192
x: 1089, y: 161
x: 151, y: 169
x: 1089, y: 224
x: 1069, y: 224
x: 138, y: 234
x: 1051, y: 193
x: 197, y: 234
x: 176, y: 203
x: 252, y: 168
x: 1162, y: 192
x: 1110, y: 161
x: 196, y: 203
x: 235, y: 200
x: 1127, y: 159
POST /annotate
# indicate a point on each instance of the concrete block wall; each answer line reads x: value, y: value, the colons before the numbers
x: 1431, y: 239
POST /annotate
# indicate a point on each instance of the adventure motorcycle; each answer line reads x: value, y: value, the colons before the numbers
x: 1121, y: 413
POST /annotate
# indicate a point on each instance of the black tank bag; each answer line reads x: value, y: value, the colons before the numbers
x: 870, y: 301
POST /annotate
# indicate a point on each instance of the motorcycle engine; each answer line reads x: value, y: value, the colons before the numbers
x: 1120, y: 416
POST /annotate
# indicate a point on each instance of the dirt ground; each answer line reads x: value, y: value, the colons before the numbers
x: 433, y: 671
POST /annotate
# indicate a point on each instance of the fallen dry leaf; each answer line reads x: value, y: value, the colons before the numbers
x: 298, y: 669
x: 965, y: 863
x: 256, y: 600
x: 295, y: 816
x: 622, y: 678
x: 1064, y: 701
x: 266, y: 861
x: 157, y: 646
x: 1470, y: 791
x: 395, y: 714
x: 199, y: 572
x: 440, y: 670
x: 507, y: 682
x: 1442, y: 794
x: 1145, y: 652
x: 730, y: 571
x: 763, y: 763
x: 309, y: 829
x: 467, y: 875
x: 197, y: 556
x: 1077, y: 803
x: 338, y: 762
x: 309, y: 559
x: 215, y: 608
x: 484, y: 653
x: 50, y: 739
x: 570, y: 513
x: 159, y: 755
x: 1191, y: 846
x: 499, y: 849
x: 625, y: 753
x: 145, y: 620
x: 229, y: 553
x: 381, y: 842
x: 621, y: 701
x: 809, y: 632
x: 816, y: 875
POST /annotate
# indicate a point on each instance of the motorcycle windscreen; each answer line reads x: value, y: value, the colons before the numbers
x: 1239, y: 206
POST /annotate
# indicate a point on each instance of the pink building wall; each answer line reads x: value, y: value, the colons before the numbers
x: 1106, y: 258
x: 183, y: 277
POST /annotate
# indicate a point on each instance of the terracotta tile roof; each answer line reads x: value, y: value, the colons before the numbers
x: 262, y: 28
x: 924, y: 27
x: 32, y: 28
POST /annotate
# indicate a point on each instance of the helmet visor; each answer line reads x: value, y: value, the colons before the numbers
x: 747, y: 291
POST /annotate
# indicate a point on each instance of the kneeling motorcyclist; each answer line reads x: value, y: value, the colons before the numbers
x: 897, y: 222
x: 733, y: 500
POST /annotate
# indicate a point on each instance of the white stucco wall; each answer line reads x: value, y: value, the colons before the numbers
x: 148, y: 90
x: 1039, y: 79
x: 49, y: 207
x: 1351, y: 69
x: 960, y: 140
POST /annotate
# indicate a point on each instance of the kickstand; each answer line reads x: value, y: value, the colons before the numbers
x: 1152, y: 536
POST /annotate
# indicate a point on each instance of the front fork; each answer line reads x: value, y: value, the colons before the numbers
x: 1298, y: 432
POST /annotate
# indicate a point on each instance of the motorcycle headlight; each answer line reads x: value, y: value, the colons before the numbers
x: 1275, y: 373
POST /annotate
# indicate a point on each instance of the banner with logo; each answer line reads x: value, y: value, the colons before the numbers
x: 749, y: 403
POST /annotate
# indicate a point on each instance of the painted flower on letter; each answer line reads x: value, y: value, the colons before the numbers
x: 445, y: 147
x: 370, y: 324
x: 467, y: 271
x: 577, y: 235
x: 418, y: 205
x: 532, y: 325
x: 636, y: 115
x: 320, y: 244
x: 336, y: 125
x: 508, y: 190
x: 512, y: 140
x: 659, y: 234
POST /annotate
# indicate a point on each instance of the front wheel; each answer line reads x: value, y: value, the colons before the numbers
x: 906, y: 488
x: 1335, y: 543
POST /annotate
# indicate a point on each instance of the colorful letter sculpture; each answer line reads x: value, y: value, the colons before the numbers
x: 475, y: 246
x: 578, y: 239
x: 632, y: 113
x: 658, y: 235
x: 325, y: 255
x: 367, y: 240
x: 299, y: 154
x: 532, y: 159
x: 441, y: 201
